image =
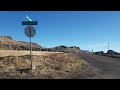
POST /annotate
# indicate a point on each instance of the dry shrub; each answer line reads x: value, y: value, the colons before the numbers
x: 57, y: 66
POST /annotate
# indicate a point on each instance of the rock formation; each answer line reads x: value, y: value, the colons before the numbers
x: 111, y: 52
x: 63, y: 48
x: 7, y: 43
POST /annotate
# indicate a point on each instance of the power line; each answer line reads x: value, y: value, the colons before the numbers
x: 108, y: 46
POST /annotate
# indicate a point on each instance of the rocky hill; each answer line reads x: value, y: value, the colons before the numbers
x: 63, y: 48
x: 7, y: 43
x: 110, y: 53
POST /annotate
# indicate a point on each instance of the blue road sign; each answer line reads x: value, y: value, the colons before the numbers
x: 29, y: 23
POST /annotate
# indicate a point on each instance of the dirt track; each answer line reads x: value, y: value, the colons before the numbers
x: 104, y: 67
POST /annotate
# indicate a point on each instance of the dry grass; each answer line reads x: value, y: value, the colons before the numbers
x: 20, y: 53
x: 47, y: 65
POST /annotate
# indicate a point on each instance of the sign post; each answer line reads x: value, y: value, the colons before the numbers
x: 30, y: 32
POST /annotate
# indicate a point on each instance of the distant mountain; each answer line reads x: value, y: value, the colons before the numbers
x: 87, y: 51
x: 7, y: 43
x: 100, y: 53
x: 109, y: 52
x: 62, y: 48
x: 112, y: 52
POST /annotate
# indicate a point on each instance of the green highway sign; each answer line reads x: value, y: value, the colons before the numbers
x: 29, y: 23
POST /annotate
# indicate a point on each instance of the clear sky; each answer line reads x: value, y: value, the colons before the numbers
x: 90, y: 30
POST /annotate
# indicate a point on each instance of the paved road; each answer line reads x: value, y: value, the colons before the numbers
x: 104, y: 67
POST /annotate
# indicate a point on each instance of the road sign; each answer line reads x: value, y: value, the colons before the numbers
x: 30, y: 31
x: 29, y: 23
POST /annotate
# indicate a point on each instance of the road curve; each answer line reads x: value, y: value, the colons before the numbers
x: 104, y: 67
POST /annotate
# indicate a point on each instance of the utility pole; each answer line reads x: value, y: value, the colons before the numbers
x: 108, y: 46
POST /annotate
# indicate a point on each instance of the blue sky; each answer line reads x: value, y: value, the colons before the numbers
x: 90, y: 30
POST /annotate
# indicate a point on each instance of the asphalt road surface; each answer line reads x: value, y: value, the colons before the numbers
x: 104, y: 67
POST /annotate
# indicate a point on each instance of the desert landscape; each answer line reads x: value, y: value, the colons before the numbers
x: 59, y: 45
x: 60, y: 62
x: 53, y: 63
x: 46, y: 65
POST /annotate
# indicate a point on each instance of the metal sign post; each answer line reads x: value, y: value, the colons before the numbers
x: 30, y: 32
x: 31, y: 52
x: 30, y: 48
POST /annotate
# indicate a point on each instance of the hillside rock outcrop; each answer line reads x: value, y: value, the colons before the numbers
x: 63, y: 48
x: 7, y: 43
x: 111, y: 52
